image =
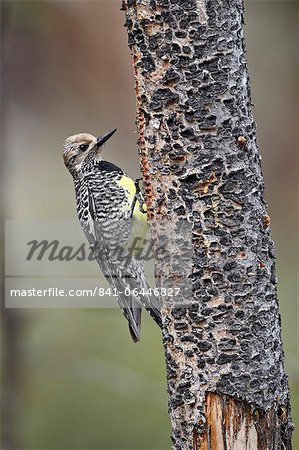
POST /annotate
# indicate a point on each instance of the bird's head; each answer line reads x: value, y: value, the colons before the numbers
x: 77, y: 148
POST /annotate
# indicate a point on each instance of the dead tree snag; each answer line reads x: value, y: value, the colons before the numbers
x: 205, y: 195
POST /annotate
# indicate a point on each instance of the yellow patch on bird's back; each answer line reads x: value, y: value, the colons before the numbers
x: 129, y: 186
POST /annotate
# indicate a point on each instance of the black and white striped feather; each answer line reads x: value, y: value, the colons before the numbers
x: 104, y: 211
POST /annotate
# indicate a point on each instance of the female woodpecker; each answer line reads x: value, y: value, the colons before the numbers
x: 111, y: 212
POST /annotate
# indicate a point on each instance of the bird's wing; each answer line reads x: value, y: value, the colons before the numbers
x: 111, y: 228
x: 104, y: 233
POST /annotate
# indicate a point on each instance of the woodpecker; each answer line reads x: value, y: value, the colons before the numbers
x: 112, y: 215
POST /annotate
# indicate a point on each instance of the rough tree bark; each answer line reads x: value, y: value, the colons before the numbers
x: 205, y: 197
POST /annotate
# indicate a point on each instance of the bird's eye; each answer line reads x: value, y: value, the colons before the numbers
x: 83, y: 147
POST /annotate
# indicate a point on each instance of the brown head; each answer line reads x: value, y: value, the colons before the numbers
x: 78, y: 147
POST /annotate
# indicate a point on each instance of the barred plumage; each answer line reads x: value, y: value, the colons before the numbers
x: 111, y: 215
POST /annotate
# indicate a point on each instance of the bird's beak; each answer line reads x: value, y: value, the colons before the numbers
x: 104, y: 138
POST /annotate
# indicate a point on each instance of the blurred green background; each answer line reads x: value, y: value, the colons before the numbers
x: 72, y: 379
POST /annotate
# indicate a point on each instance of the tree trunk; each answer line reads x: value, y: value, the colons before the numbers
x: 205, y: 197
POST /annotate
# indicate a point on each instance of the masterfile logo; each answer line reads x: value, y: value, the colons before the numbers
x: 55, y: 250
x: 49, y: 264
